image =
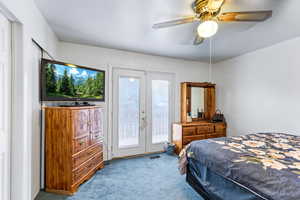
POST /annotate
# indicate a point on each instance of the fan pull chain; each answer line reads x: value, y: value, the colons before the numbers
x: 210, y: 59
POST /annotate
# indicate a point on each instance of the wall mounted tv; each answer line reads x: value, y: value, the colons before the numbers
x: 67, y: 82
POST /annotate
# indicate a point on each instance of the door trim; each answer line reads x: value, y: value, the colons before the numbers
x: 5, y: 156
x: 20, y: 189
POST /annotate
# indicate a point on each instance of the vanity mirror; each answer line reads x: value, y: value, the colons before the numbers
x: 197, y: 101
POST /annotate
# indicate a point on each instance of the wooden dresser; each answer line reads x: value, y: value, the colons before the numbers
x: 184, y: 133
x: 74, y: 146
x: 198, y: 106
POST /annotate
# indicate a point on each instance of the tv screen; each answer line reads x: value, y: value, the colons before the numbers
x: 67, y: 82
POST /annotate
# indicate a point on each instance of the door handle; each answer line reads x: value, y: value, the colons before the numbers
x: 144, y: 122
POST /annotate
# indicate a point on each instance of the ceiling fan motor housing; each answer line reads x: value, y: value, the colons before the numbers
x: 207, y: 9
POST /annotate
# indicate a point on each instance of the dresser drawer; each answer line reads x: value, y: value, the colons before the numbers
x: 96, y: 148
x: 98, y: 159
x: 221, y: 134
x: 85, y: 168
x: 96, y: 137
x: 189, y: 131
x: 188, y: 139
x: 216, y: 135
x: 203, y: 129
x: 82, y: 171
x: 79, y: 159
x: 220, y: 127
x: 80, y: 144
x: 86, y: 155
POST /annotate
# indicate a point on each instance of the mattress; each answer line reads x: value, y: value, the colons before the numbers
x: 256, y: 166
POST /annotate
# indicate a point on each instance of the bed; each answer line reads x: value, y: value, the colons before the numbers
x: 263, y: 166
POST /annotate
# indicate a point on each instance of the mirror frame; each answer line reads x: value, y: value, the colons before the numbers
x: 209, y: 100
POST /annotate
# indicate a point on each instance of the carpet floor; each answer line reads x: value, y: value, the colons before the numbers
x: 138, y: 178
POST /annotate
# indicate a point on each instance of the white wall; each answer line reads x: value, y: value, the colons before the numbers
x: 104, y: 58
x: 260, y: 91
x: 36, y: 122
x: 31, y: 25
x: 33, y: 22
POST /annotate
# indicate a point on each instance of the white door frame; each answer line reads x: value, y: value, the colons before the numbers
x: 159, y: 76
x: 149, y: 147
x: 19, y: 188
x: 140, y: 149
x: 5, y: 128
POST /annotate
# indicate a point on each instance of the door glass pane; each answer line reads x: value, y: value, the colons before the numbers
x: 160, y: 111
x: 129, y: 111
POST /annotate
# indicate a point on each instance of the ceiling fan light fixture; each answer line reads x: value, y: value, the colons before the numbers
x: 207, y: 29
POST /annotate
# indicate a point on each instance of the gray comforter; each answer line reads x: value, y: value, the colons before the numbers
x: 268, y: 164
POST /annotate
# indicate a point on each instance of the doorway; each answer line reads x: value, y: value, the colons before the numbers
x: 142, y: 111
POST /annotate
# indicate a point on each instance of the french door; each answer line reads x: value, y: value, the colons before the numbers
x: 160, y: 108
x: 142, y: 111
x: 5, y: 107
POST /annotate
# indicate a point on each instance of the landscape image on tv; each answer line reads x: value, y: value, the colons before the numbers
x: 71, y: 82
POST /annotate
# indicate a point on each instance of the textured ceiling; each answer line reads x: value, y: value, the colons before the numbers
x: 127, y: 25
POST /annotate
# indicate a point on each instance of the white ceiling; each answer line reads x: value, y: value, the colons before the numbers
x: 127, y: 25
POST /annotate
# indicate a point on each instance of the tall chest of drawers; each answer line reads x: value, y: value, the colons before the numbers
x: 74, y: 146
x: 184, y: 133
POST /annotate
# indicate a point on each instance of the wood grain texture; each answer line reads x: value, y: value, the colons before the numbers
x: 73, y: 154
x: 184, y: 102
x: 184, y: 133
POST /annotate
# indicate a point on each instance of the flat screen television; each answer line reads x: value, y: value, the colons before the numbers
x: 67, y: 82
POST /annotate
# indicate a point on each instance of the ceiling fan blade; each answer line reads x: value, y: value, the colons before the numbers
x: 174, y: 22
x: 251, y: 16
x: 198, y: 40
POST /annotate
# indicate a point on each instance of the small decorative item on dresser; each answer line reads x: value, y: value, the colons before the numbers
x: 200, y: 114
x: 189, y: 118
x: 218, y: 117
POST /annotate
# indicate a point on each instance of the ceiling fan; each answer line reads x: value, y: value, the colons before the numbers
x: 208, y: 12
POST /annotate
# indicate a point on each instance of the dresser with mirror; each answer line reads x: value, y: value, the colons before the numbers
x: 198, y: 106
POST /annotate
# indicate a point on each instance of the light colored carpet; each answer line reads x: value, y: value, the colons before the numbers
x: 139, y: 178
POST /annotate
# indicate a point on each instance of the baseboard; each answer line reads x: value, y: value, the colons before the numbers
x: 138, y: 155
x: 36, y: 194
